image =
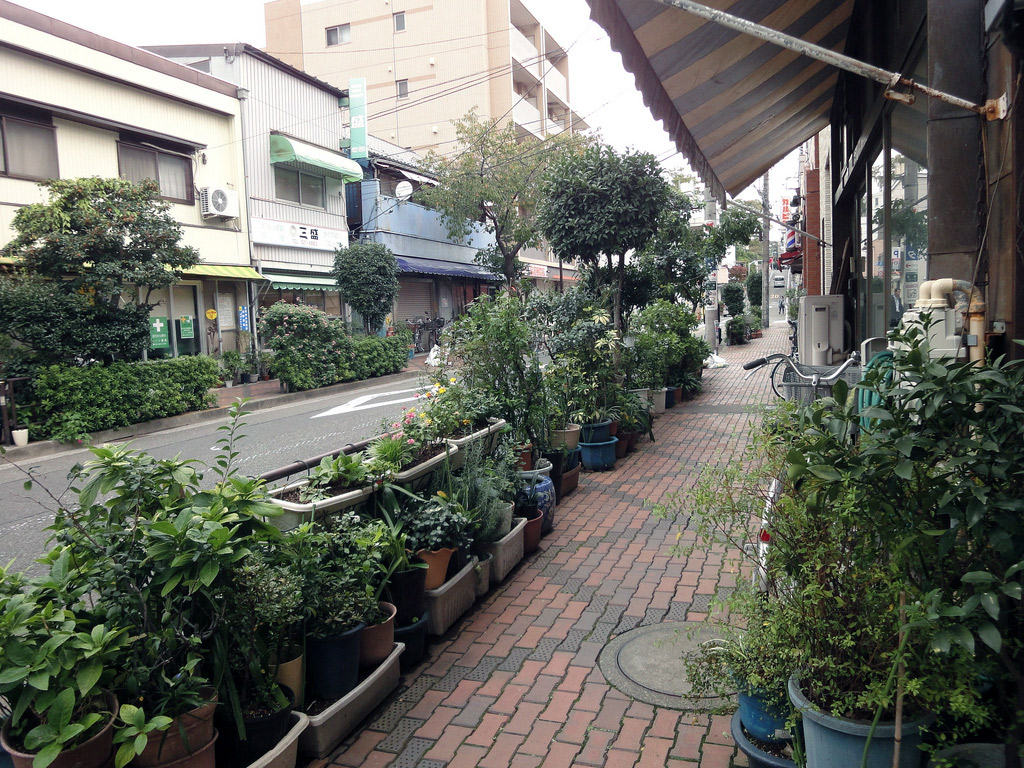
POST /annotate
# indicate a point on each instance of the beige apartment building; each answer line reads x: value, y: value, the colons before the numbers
x: 427, y: 64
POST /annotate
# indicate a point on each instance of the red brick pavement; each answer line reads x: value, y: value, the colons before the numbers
x: 516, y: 681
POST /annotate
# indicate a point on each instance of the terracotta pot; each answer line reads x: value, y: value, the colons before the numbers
x: 204, y: 757
x: 90, y: 754
x: 378, y: 640
x: 679, y: 395
x: 622, y: 446
x: 188, y: 734
x: 613, y: 428
x: 634, y: 437
x: 532, y: 532
x: 437, y: 565
x: 526, y: 457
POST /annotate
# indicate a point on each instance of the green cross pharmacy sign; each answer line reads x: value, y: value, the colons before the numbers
x: 159, y: 336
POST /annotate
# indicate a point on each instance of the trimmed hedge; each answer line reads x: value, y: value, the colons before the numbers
x: 377, y: 356
x: 70, y: 401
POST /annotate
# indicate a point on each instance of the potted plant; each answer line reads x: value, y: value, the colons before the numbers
x: 231, y: 366
x: 56, y: 660
x: 436, y: 528
x: 336, y: 483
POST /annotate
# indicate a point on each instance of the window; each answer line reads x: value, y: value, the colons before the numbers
x: 400, y: 21
x: 172, y: 173
x: 28, y: 150
x: 339, y: 34
x: 297, y: 187
x: 403, y: 88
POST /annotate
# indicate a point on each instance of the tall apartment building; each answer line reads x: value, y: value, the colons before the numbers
x: 429, y: 64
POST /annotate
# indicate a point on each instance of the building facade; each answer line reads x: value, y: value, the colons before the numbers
x: 296, y: 174
x: 427, y: 65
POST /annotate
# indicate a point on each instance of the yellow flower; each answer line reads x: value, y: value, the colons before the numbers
x: 452, y: 380
x: 423, y: 415
x: 442, y: 494
x: 441, y: 391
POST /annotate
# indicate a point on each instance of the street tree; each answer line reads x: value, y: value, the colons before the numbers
x: 493, y: 180
x: 686, y: 256
x: 367, y: 274
x: 597, y: 203
x: 87, y: 262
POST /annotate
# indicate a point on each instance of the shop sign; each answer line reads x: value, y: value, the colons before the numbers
x: 211, y: 314
x: 291, y: 235
x: 159, y: 337
x: 536, y: 270
x: 243, y: 318
x: 357, y: 117
x: 187, y: 327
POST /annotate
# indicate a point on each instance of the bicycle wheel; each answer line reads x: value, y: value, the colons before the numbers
x: 776, y: 379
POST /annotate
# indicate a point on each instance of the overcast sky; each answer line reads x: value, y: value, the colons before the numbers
x: 602, y: 92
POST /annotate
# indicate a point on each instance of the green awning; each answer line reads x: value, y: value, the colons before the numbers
x: 303, y: 282
x: 223, y: 270
x: 284, y: 149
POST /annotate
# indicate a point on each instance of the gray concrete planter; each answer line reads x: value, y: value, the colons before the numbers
x: 448, y: 602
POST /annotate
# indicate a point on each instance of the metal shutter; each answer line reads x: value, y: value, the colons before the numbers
x: 415, y: 299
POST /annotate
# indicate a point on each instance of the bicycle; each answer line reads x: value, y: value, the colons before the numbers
x: 797, y: 382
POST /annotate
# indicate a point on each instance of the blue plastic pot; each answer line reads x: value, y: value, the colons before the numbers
x: 596, y: 432
x: 761, y: 719
x: 834, y: 741
x: 756, y: 757
x: 670, y: 397
x: 599, y: 455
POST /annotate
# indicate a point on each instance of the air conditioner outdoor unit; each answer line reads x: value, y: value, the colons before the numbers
x: 820, y: 329
x: 218, y: 202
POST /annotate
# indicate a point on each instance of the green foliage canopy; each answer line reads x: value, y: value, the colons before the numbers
x: 367, y: 274
x: 90, y: 259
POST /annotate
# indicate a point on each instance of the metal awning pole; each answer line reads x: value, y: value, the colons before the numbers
x: 994, y: 109
x: 760, y: 214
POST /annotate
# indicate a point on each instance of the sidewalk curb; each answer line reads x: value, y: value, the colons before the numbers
x: 258, y: 403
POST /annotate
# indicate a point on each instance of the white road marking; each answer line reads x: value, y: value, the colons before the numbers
x: 363, y: 403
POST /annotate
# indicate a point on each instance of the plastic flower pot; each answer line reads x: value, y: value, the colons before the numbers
x: 596, y: 432
x: 599, y: 456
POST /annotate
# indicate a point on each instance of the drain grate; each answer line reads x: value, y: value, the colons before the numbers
x: 400, y: 734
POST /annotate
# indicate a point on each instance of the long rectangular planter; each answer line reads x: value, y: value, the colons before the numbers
x: 296, y: 513
x: 452, y: 599
x: 286, y: 753
x: 507, y: 552
x: 418, y: 477
x: 490, y: 433
x: 328, y: 729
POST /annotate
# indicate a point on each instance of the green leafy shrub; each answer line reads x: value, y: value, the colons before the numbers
x: 95, y: 397
x: 733, y: 298
x: 377, y: 356
x: 311, y: 348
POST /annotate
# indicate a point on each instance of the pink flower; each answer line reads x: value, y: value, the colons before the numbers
x: 410, y: 441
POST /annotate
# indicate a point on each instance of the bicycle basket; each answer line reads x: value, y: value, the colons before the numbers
x: 795, y: 388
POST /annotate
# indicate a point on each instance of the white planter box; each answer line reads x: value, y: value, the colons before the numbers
x: 419, y: 476
x: 507, y: 552
x: 483, y: 576
x: 286, y: 753
x: 490, y: 433
x: 295, y: 513
x: 448, y: 602
x: 328, y: 729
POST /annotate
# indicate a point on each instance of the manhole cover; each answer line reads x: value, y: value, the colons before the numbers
x: 646, y: 663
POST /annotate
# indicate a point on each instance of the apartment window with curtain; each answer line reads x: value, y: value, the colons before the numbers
x: 403, y: 88
x: 400, y: 21
x: 342, y: 33
x: 171, y: 172
x: 28, y: 150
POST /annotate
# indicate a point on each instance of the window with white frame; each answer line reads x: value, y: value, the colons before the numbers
x: 400, y: 21
x: 342, y: 33
x: 403, y: 88
x: 171, y: 172
x: 28, y: 150
x: 297, y: 187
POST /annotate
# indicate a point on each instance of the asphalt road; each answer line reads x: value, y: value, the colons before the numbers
x: 273, y: 438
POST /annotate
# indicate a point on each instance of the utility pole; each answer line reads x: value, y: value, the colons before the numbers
x: 765, y: 251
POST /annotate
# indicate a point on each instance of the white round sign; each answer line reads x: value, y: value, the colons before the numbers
x: 403, y: 190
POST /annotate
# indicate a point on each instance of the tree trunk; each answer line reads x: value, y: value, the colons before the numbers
x: 617, y: 312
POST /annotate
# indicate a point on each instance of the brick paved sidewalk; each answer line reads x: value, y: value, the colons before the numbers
x: 516, y: 681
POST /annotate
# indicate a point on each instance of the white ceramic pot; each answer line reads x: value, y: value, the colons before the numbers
x: 20, y: 437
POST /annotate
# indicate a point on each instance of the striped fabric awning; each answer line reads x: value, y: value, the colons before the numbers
x: 734, y: 105
x: 223, y: 270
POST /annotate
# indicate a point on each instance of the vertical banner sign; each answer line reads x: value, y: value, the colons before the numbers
x: 188, y: 329
x: 159, y: 336
x: 243, y: 318
x: 357, y: 117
